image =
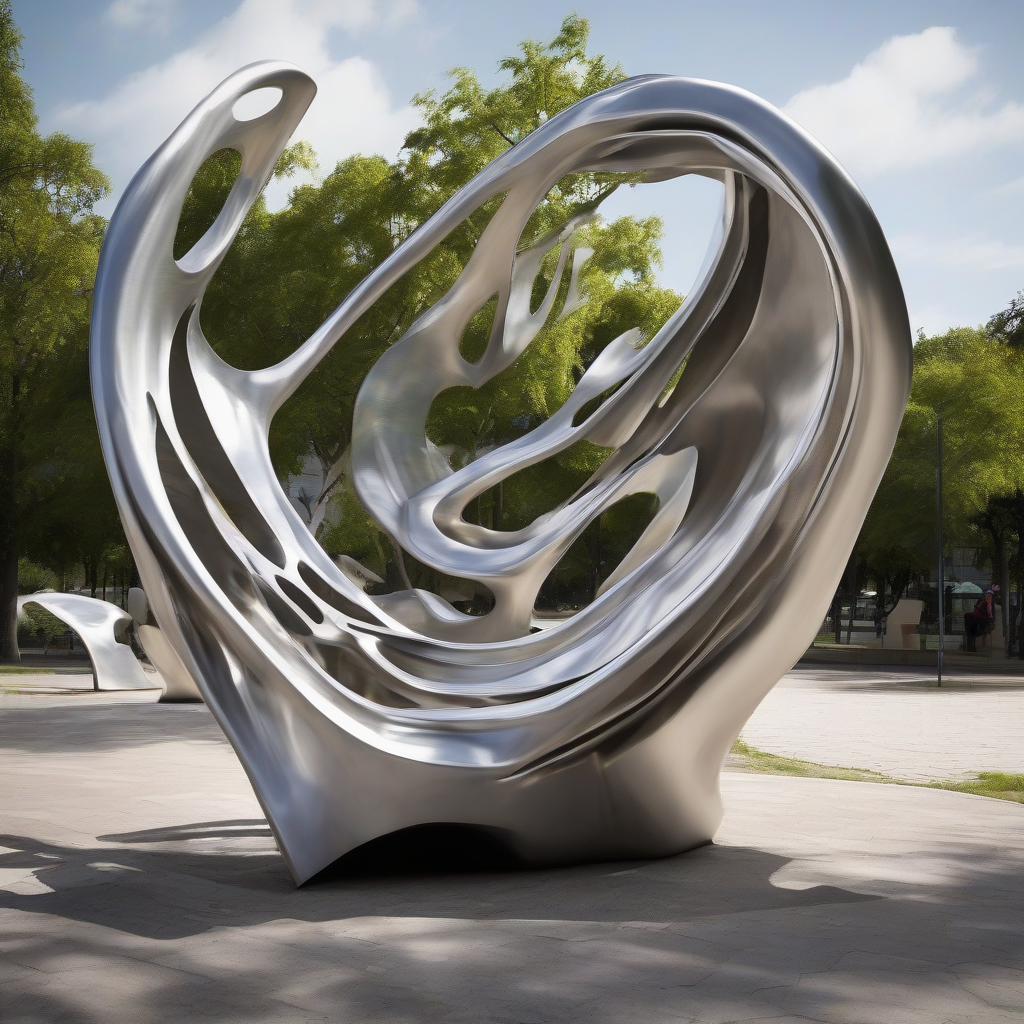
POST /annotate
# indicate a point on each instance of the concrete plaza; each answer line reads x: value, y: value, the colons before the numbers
x: 139, y: 882
x: 897, y: 722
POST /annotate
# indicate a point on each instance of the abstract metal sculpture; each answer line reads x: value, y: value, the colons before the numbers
x: 602, y: 737
x: 178, y: 684
x: 97, y: 622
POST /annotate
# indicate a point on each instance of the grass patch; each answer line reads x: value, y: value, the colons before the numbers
x: 746, y: 758
x: 750, y: 759
x: 995, y: 784
x: 18, y: 670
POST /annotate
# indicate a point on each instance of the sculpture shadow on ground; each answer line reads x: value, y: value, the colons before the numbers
x: 89, y: 729
x: 434, y: 872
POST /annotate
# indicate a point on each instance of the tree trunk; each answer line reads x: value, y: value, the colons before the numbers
x: 1014, y: 618
x: 400, y: 562
x: 1018, y: 628
x: 1004, y: 592
x: 1020, y: 617
x: 853, y: 600
x: 1018, y: 527
x: 9, y: 521
x: 332, y: 472
x: 9, y: 604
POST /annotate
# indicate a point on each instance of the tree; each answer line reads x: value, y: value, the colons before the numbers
x: 49, y: 242
x: 69, y: 518
x: 1007, y: 326
x: 302, y: 260
x: 974, y: 381
x: 1007, y: 515
x: 464, y: 129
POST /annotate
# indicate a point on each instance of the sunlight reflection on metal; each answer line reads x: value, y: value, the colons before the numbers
x: 604, y: 735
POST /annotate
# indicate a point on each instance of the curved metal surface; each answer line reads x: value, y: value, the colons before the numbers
x: 178, y: 683
x: 97, y: 623
x: 604, y: 735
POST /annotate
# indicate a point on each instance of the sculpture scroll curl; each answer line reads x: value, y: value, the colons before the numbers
x: 603, y: 736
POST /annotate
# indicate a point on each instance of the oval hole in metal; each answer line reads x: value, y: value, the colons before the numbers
x: 256, y: 103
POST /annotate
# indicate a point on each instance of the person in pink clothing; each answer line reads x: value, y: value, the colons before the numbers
x: 979, y: 622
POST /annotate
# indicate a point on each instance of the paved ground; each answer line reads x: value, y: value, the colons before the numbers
x: 70, y: 688
x: 895, y: 722
x: 139, y: 882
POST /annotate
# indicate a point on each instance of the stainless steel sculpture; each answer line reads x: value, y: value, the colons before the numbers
x: 178, y: 683
x: 601, y: 737
x: 97, y: 622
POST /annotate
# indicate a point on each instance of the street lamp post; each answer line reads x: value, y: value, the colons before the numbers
x: 942, y: 595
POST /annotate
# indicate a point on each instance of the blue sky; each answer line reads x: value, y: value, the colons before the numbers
x: 922, y: 102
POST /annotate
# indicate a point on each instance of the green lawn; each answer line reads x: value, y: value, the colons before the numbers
x: 995, y: 784
x: 21, y: 670
x: 743, y: 757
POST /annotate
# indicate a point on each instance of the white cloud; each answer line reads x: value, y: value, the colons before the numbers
x: 402, y: 11
x: 977, y: 252
x: 909, y: 103
x: 153, y: 15
x: 1010, y: 187
x: 352, y: 111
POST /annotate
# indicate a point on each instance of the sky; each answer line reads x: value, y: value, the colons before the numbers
x: 923, y: 103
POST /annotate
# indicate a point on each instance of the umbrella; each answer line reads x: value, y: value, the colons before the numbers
x: 967, y: 588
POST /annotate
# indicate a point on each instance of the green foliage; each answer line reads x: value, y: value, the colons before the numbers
x: 467, y: 126
x: 49, y: 242
x: 205, y: 198
x: 41, y: 625
x: 33, y: 577
x: 70, y: 516
x: 465, y: 422
x: 975, y: 384
x: 288, y: 270
x: 34, y: 620
x: 1007, y: 326
x: 352, y: 533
